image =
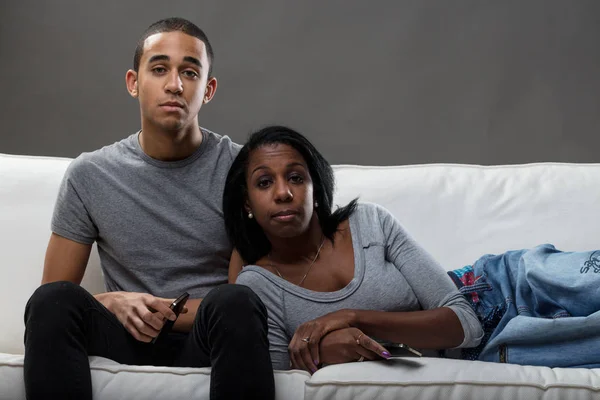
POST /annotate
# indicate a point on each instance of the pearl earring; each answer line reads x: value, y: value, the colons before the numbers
x: 316, y: 204
x: 250, y: 215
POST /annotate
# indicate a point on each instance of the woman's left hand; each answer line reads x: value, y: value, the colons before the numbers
x: 304, y: 346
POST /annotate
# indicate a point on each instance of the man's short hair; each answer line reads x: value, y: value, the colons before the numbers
x: 172, y: 25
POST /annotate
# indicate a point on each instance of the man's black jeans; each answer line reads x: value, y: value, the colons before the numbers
x: 64, y: 324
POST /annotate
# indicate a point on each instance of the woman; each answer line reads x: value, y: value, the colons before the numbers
x: 332, y: 282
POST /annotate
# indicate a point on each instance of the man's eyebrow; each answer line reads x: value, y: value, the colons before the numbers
x: 193, y: 60
x: 158, y: 57
x: 163, y: 57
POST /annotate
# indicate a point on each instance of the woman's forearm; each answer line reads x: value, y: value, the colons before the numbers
x: 438, y: 328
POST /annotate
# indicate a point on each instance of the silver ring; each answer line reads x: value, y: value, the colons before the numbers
x: 361, y: 359
x: 306, y: 339
x: 358, y: 339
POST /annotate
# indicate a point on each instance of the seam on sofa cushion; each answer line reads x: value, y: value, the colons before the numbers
x: 32, y: 157
x: 466, y: 166
x: 116, y: 368
x: 458, y: 383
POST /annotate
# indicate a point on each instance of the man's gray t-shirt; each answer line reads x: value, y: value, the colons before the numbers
x: 158, y: 224
x: 391, y: 273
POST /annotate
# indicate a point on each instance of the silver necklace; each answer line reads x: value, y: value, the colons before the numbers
x: 309, y: 267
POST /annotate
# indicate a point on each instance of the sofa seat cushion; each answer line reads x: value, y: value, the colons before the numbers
x: 111, y: 380
x: 430, y: 378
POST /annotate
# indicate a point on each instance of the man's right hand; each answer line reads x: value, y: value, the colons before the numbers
x: 142, y: 314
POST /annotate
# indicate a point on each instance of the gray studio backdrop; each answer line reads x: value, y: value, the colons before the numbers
x: 370, y: 82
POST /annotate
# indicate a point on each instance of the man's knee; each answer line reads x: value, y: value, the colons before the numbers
x: 55, y: 296
x: 236, y: 301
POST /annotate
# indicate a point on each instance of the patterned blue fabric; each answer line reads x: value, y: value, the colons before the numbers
x: 536, y: 307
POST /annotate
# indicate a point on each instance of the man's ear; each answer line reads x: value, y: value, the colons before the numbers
x: 211, y: 88
x: 132, y: 83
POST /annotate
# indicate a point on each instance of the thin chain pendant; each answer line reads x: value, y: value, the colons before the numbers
x: 309, y: 267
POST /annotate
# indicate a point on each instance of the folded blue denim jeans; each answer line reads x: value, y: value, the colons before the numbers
x: 537, y: 307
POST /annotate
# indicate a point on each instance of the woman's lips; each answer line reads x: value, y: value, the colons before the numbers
x: 285, y: 216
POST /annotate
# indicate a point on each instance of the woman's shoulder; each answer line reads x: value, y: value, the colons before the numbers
x: 252, y: 275
x: 376, y: 223
x: 262, y: 283
x: 260, y: 280
x: 368, y: 213
x: 270, y: 293
x: 370, y: 206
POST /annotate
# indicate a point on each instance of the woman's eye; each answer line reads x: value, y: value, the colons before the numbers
x: 297, y: 179
x: 263, y: 183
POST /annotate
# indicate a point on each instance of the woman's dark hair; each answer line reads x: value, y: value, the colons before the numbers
x: 244, y: 233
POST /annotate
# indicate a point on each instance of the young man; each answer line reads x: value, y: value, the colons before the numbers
x: 152, y: 203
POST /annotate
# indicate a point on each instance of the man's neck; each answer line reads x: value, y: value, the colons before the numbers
x: 170, y: 146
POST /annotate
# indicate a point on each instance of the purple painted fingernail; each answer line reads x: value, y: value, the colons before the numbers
x: 316, y: 362
x: 386, y: 354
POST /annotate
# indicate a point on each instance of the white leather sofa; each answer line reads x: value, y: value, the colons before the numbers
x: 457, y: 212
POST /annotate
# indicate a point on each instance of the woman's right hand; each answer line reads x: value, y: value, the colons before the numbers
x: 349, y: 345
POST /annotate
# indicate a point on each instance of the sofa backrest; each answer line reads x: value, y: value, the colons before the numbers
x: 457, y: 212
x: 28, y: 189
x: 461, y: 212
